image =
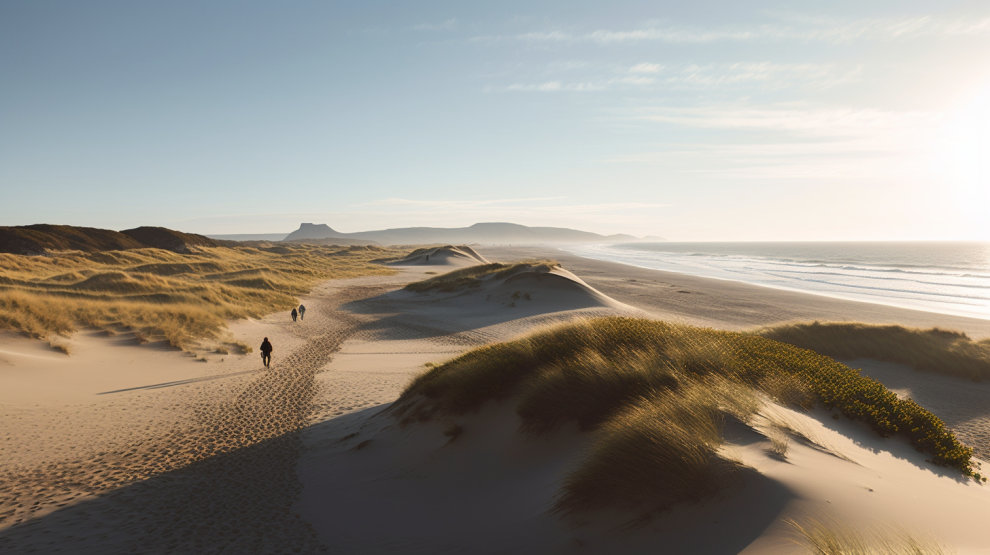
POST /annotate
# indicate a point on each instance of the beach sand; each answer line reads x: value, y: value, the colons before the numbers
x: 126, y: 448
x: 730, y: 305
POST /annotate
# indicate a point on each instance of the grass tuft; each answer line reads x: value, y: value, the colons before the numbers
x: 60, y: 344
x: 934, y: 350
x: 657, y: 451
x: 778, y: 443
x: 830, y: 537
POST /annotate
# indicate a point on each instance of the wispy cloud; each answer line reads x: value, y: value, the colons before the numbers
x: 794, y: 118
x: 765, y: 74
x: 443, y: 25
x: 520, y: 203
x: 542, y: 87
x: 789, y: 27
x: 445, y: 203
x: 792, y: 141
x: 837, y: 159
x: 646, y: 68
x: 552, y: 86
x: 762, y: 75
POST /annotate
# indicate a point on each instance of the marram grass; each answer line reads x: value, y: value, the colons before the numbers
x: 656, y: 394
x: 934, y: 350
x: 828, y: 536
x: 158, y: 294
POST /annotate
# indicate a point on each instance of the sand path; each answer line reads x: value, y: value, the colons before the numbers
x: 218, y: 475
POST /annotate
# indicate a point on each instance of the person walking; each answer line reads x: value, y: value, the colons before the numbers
x: 294, y: 314
x: 266, y: 353
x: 302, y: 311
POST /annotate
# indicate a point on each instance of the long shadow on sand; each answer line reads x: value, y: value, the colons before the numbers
x: 963, y: 405
x: 405, y: 316
x: 392, y: 490
x: 236, y: 502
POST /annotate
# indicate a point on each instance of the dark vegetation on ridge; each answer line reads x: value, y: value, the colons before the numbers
x: 169, y: 239
x: 657, y: 395
x: 42, y: 239
x: 934, y: 350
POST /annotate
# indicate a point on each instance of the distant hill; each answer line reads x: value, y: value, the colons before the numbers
x: 169, y: 239
x: 322, y: 234
x: 250, y: 237
x: 313, y: 231
x: 44, y: 238
x: 482, y: 233
x: 339, y: 241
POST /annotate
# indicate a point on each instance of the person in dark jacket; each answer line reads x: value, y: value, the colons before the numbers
x: 302, y: 311
x: 294, y: 314
x: 266, y: 352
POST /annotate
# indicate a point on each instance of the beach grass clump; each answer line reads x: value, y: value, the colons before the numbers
x: 593, y: 371
x: 828, y: 536
x: 660, y: 449
x: 933, y: 350
x: 181, y: 298
x: 474, y: 276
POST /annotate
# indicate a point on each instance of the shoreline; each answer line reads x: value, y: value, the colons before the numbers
x: 920, y: 306
x: 728, y: 304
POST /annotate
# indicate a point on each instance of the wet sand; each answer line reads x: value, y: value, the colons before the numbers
x: 727, y: 304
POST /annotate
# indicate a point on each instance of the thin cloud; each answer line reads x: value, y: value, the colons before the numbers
x: 442, y: 26
x: 511, y: 207
x: 646, y: 68
x: 543, y: 87
x: 824, y: 121
x: 762, y: 75
x: 454, y: 203
x: 792, y: 27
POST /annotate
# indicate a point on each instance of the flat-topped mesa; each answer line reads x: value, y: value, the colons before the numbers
x: 322, y: 234
x: 313, y: 231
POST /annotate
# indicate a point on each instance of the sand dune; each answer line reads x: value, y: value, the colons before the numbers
x: 372, y: 486
x: 449, y: 255
x: 191, y: 457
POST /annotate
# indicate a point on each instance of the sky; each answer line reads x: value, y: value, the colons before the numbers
x: 695, y: 121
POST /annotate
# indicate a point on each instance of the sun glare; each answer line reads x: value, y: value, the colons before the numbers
x: 963, y: 148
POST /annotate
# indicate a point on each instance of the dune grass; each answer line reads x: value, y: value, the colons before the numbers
x: 474, y: 276
x: 934, y: 350
x: 656, y: 395
x: 162, y: 295
x: 827, y: 536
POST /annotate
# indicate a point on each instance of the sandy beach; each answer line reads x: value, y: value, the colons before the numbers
x: 128, y: 448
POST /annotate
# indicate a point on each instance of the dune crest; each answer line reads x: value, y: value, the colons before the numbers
x: 448, y: 255
x: 538, y: 285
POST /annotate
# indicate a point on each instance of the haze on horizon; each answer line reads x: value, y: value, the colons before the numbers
x: 708, y: 121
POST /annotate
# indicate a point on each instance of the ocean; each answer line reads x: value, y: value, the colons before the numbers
x: 944, y: 277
